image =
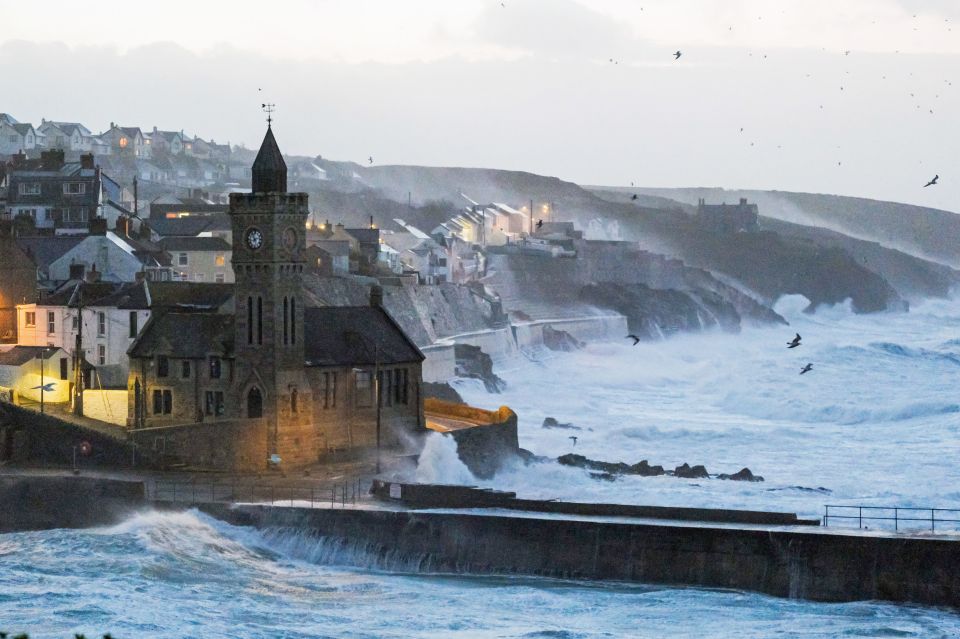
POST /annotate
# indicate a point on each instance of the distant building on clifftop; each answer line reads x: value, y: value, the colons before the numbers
x: 728, y: 218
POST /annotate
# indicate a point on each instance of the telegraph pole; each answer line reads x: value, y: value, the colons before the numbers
x: 376, y: 380
x: 42, y: 352
x: 78, y: 357
x: 531, y: 217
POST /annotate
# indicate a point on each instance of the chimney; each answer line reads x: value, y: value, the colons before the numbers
x: 112, y: 125
x: 86, y: 161
x: 371, y: 222
x: 93, y: 275
x: 376, y: 296
x: 98, y: 226
x: 743, y: 201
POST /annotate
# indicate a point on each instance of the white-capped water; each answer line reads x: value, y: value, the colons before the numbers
x: 184, y: 575
x: 875, y: 422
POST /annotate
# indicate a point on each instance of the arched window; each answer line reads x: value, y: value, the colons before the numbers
x: 249, y: 320
x: 293, y: 400
x: 293, y: 320
x: 259, y: 320
x: 254, y: 403
x: 286, y: 321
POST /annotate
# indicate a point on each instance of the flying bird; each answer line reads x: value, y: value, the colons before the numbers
x: 806, y: 369
x: 636, y: 340
x: 574, y: 438
x: 370, y: 159
x: 46, y: 388
x: 676, y: 56
x: 633, y: 197
x: 932, y: 182
x: 794, y: 342
x: 539, y: 224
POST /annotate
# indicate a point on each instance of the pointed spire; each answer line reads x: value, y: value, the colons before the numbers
x: 269, y: 170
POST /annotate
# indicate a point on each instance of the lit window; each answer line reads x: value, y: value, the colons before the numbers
x: 30, y: 318
x: 123, y: 142
x: 220, y: 260
x: 51, y: 323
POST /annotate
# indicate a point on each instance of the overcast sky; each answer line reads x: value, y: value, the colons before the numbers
x: 858, y: 97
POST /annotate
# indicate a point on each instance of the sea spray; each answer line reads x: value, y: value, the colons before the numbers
x: 439, y: 463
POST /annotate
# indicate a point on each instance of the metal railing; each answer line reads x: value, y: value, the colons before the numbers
x: 901, y: 517
x: 327, y: 494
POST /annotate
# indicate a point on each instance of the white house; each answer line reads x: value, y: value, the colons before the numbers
x: 17, y: 137
x: 28, y: 371
x: 69, y: 136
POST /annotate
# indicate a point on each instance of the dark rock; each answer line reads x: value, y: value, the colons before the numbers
x: 686, y: 472
x: 557, y: 340
x: 743, y: 475
x: 442, y: 391
x: 644, y: 469
x: 550, y: 422
x: 572, y: 459
x: 604, y: 476
x: 474, y: 363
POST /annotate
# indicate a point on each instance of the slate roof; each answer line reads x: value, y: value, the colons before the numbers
x: 190, y: 225
x: 190, y: 296
x: 23, y: 129
x: 194, y: 244
x: 355, y: 335
x: 75, y: 292
x: 43, y: 251
x: 269, y: 171
x: 20, y: 355
x: 365, y: 235
x: 185, y: 335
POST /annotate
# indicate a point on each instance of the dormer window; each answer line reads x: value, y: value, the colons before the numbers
x: 30, y: 188
x: 74, y: 188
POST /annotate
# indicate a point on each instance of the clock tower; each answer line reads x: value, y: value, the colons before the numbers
x: 269, y: 227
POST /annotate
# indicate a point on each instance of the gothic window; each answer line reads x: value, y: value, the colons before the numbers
x: 214, y: 403
x: 254, y: 403
x: 215, y: 366
x: 250, y: 320
x: 185, y: 369
x: 259, y: 320
x: 293, y: 320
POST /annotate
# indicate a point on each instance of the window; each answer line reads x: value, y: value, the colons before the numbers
x: 75, y: 214
x: 400, y: 385
x: 218, y: 278
x: 293, y: 400
x: 162, y: 402
x: 254, y: 403
x: 101, y: 323
x: 75, y: 323
x: 385, y: 388
x: 133, y: 323
x: 364, y: 389
x: 220, y: 259
x: 29, y: 188
x: 182, y: 259
x: 64, y: 370
x: 30, y: 318
x: 215, y: 366
x: 185, y: 369
x: 214, y: 403
x: 74, y: 188
x: 286, y: 321
x: 293, y: 320
x: 163, y: 366
x: 101, y: 355
x: 198, y: 277
x: 51, y: 323
x: 249, y: 320
x: 328, y: 390
x: 259, y: 320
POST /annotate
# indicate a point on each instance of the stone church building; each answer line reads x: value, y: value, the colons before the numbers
x: 274, y: 383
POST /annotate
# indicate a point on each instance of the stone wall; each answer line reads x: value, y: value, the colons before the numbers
x: 45, y: 502
x: 238, y: 445
x: 781, y: 562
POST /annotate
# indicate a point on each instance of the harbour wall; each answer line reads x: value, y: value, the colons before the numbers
x: 39, y: 502
x: 778, y: 561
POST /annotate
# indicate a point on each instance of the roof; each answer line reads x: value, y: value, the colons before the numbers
x: 355, y: 335
x: 190, y: 296
x: 6, y: 117
x: 23, y: 129
x: 75, y: 292
x: 187, y: 226
x: 365, y: 235
x: 194, y: 244
x: 43, y: 251
x: 185, y: 335
x: 132, y: 131
x: 20, y: 355
x: 269, y: 171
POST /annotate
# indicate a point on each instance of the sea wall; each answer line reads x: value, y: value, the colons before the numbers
x: 440, y: 364
x: 783, y: 562
x: 32, y: 502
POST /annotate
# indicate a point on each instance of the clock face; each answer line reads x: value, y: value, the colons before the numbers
x: 254, y: 239
x: 290, y: 238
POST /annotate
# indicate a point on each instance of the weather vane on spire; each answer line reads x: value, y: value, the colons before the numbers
x: 269, y: 109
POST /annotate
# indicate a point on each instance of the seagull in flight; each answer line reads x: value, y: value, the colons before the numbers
x: 633, y: 197
x: 806, y: 369
x: 370, y: 159
x: 573, y: 437
x: 932, y: 182
x: 46, y: 388
x: 794, y: 342
x: 539, y: 224
x: 636, y: 340
x: 676, y: 56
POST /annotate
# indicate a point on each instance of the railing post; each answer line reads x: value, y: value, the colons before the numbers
x: 860, y: 519
x: 933, y: 526
x: 826, y: 516
x: 333, y: 494
x: 896, y: 519
x: 174, y: 491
